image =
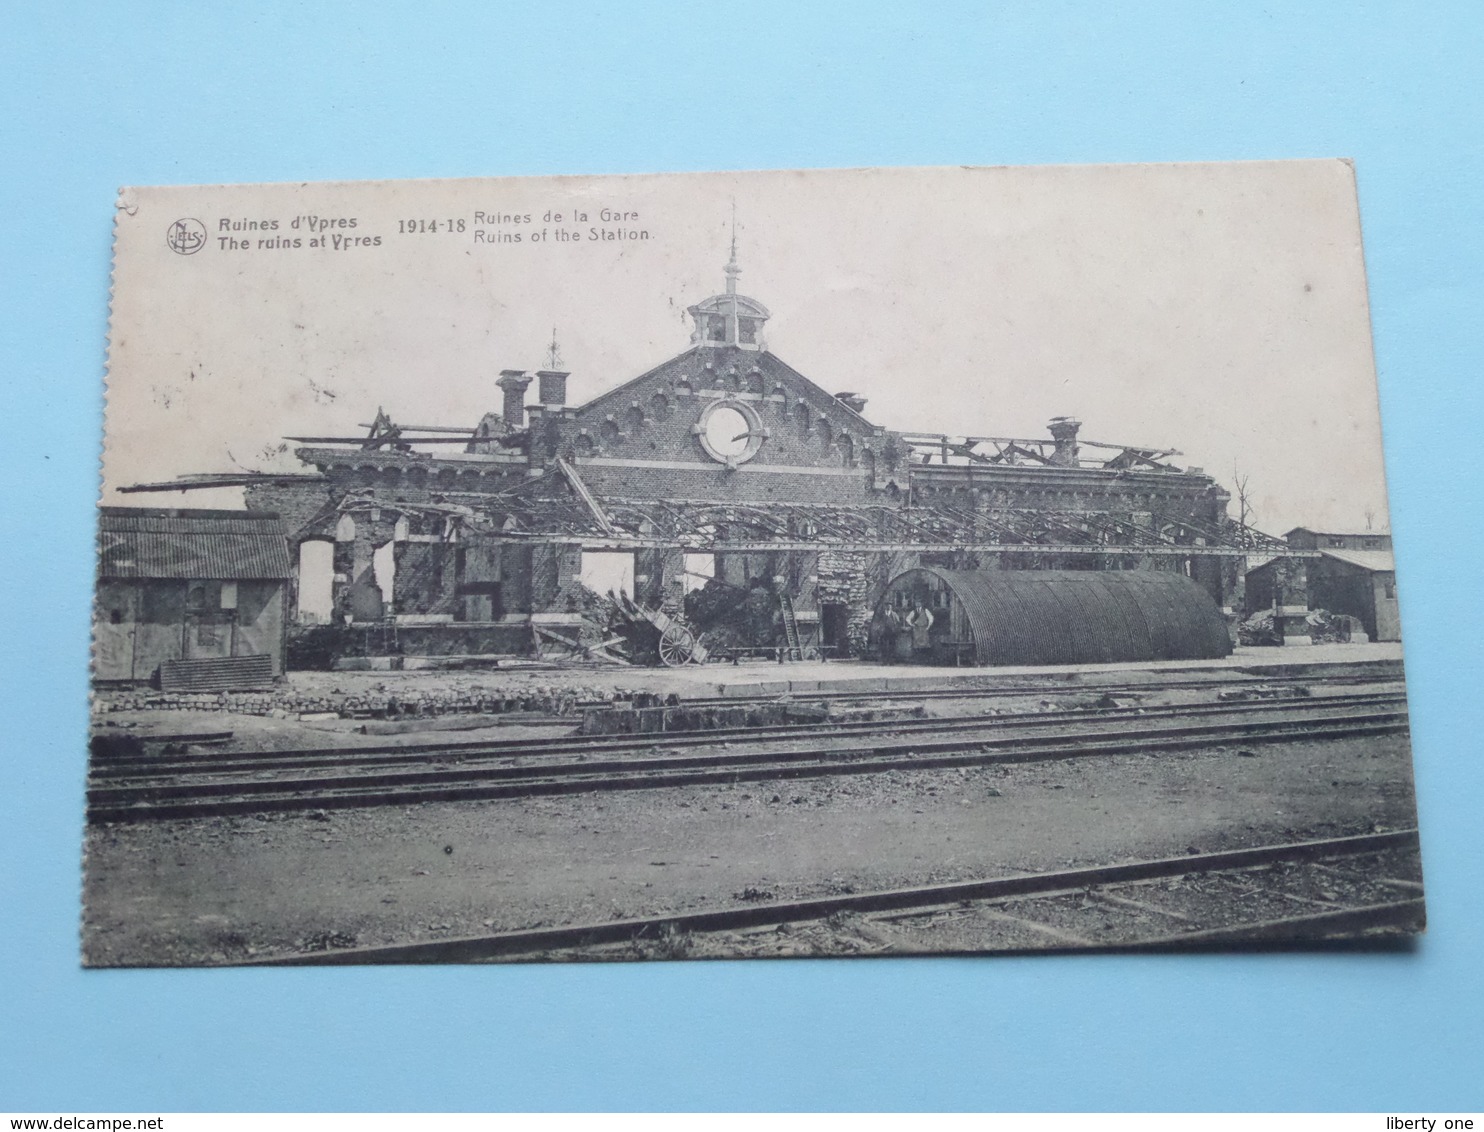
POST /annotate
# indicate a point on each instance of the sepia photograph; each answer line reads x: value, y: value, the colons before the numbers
x: 745, y: 565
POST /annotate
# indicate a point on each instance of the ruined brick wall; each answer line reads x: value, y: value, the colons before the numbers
x: 855, y: 580
x: 306, y: 509
x: 1148, y: 499
x: 426, y: 579
x: 658, y: 579
x: 747, y: 484
x: 554, y: 577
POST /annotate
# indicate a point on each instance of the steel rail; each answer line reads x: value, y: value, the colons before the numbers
x: 473, y: 949
x: 214, y: 799
x: 474, y: 763
x: 129, y: 767
x: 965, y: 693
x: 123, y: 760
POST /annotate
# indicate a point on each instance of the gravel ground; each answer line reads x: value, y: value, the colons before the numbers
x: 229, y: 889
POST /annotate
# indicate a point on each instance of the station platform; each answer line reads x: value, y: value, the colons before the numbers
x: 769, y: 678
x: 751, y: 679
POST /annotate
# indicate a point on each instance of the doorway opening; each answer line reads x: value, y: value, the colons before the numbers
x: 316, y: 581
x: 834, y: 628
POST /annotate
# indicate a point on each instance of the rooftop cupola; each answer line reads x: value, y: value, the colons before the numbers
x: 1064, y: 432
x: 729, y: 319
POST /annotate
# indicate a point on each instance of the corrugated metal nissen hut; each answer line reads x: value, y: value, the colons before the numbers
x: 192, y: 598
x: 1052, y: 617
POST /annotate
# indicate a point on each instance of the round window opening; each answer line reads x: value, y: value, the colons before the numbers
x: 730, y: 432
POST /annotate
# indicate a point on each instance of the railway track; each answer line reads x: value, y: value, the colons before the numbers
x: 134, y: 767
x: 547, y: 767
x: 1165, y: 902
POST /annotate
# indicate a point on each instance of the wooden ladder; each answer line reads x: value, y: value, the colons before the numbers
x: 790, y: 626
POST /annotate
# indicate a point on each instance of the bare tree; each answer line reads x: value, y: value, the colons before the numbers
x: 1241, y: 480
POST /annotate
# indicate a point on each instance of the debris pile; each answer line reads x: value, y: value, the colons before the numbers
x: 1325, y: 626
x: 734, y: 618
x: 379, y: 703
x: 1259, y: 629
x: 642, y: 716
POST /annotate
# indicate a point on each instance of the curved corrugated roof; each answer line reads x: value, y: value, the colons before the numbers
x: 1083, y: 616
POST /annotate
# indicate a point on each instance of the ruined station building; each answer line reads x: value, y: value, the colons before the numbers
x: 722, y: 462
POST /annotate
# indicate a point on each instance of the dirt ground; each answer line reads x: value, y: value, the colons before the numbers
x: 228, y: 889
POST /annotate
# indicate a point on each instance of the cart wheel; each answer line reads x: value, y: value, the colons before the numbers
x: 677, y: 645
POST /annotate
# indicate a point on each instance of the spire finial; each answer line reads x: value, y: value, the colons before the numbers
x: 732, y: 269
x: 553, y: 354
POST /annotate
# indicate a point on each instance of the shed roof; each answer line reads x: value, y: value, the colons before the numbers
x: 1337, y: 534
x: 1377, y: 561
x: 149, y: 542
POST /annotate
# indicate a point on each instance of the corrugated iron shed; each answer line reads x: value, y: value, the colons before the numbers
x: 1081, y: 616
x: 148, y: 542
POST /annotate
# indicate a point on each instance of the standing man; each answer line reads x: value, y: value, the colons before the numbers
x: 919, y: 621
x: 889, y: 627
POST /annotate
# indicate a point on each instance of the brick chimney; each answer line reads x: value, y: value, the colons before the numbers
x: 852, y: 401
x: 553, y: 387
x: 514, y: 383
x: 1064, y: 432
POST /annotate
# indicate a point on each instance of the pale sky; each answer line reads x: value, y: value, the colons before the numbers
x: 1215, y: 308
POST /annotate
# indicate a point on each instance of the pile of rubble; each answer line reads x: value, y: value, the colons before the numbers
x: 377, y: 703
x: 1322, y: 626
x: 641, y: 716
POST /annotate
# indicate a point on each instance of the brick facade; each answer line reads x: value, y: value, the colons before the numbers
x: 457, y: 560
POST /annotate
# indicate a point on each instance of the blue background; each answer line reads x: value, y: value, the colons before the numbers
x: 97, y: 96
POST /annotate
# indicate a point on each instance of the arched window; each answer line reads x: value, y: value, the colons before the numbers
x: 345, y: 529
x: 801, y: 420
x: 659, y: 406
x: 609, y: 431
x: 634, y: 418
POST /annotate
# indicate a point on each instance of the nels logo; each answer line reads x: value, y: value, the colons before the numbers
x: 186, y: 237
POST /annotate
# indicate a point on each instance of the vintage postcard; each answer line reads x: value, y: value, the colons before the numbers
x: 861, y: 562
